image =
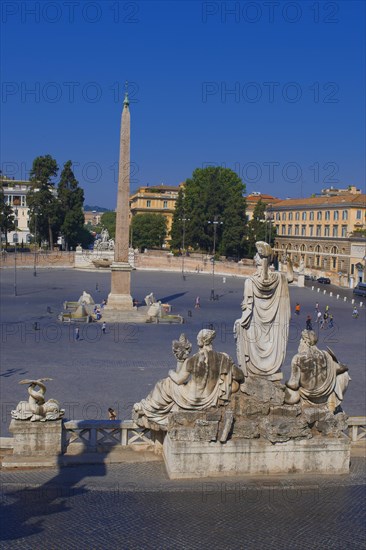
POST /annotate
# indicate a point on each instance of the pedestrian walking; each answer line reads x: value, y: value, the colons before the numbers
x: 308, y: 323
x: 325, y: 319
x: 197, y: 303
x: 104, y: 326
x: 355, y: 313
x: 326, y: 309
x: 316, y: 307
x: 318, y: 317
x: 112, y: 414
x: 297, y: 309
x: 97, y: 287
x: 77, y: 333
x: 331, y: 323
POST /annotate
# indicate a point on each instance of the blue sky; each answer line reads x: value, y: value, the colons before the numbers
x: 274, y: 90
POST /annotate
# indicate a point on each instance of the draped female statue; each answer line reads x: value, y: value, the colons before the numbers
x: 262, y: 331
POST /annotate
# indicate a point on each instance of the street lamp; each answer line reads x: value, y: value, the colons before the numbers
x: 35, y: 244
x: 184, y: 220
x: 15, y: 238
x: 215, y: 223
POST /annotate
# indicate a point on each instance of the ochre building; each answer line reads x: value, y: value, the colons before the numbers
x: 326, y: 233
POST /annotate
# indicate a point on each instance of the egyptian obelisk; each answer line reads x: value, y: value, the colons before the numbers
x: 120, y: 298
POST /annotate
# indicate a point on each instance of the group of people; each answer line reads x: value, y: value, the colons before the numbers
x: 324, y: 320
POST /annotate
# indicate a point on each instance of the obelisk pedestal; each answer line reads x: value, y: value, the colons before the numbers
x: 120, y: 298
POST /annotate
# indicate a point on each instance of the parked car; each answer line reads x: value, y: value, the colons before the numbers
x: 360, y: 289
x: 323, y: 280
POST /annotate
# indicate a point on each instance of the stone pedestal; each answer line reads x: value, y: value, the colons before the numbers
x: 35, y: 443
x: 119, y: 297
x: 301, y: 280
x: 198, y: 459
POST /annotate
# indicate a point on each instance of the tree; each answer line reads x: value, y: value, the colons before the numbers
x: 42, y: 200
x: 213, y: 194
x: 148, y: 230
x: 6, y: 216
x: 176, y: 233
x: 258, y: 229
x: 71, y: 200
x: 108, y: 220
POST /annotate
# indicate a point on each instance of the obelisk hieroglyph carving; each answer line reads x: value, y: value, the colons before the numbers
x: 120, y: 295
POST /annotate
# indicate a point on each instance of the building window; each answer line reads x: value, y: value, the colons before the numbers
x: 148, y: 204
x: 335, y: 215
x: 327, y: 214
x: 319, y: 215
x: 326, y: 230
x: 344, y: 231
x: 290, y: 215
x: 283, y: 230
x: 277, y: 215
x: 335, y: 230
x: 297, y: 215
x: 352, y: 269
x: 358, y: 215
x: 23, y: 201
x: 289, y: 230
x: 165, y: 204
x: 277, y: 229
x: 283, y: 215
x: 311, y: 230
x: 303, y: 230
x: 297, y: 229
x: 311, y: 215
x: 303, y: 217
x: 345, y: 215
x: 318, y: 230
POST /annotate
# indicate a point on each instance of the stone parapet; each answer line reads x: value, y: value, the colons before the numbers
x: 197, y: 459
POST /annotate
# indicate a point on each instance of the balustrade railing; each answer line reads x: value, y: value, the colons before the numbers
x: 101, y: 435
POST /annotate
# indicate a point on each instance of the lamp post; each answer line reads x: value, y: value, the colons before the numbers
x: 215, y: 223
x: 35, y: 244
x: 184, y: 220
x: 15, y: 262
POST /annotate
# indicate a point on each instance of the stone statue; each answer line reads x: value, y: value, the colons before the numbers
x: 316, y: 375
x: 86, y: 298
x: 205, y: 380
x: 262, y: 331
x: 36, y: 408
x: 104, y: 235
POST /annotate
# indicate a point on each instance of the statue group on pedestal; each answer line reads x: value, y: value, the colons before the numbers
x: 209, y: 379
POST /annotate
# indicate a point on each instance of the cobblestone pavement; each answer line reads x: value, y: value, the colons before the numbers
x: 135, y: 506
x: 119, y: 368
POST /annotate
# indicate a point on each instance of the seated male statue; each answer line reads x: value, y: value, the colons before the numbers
x: 205, y: 380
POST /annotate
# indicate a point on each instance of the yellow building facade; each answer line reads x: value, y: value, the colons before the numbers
x: 157, y: 199
x: 321, y: 232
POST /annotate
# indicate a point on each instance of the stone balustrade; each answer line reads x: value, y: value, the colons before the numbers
x: 95, y: 435
x: 357, y: 428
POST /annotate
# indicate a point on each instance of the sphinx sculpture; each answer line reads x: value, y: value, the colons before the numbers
x: 317, y: 377
x: 205, y: 380
x: 37, y: 408
x: 262, y: 331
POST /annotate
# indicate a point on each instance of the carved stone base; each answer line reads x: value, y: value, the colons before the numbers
x: 36, y: 439
x: 197, y: 459
x: 119, y: 302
